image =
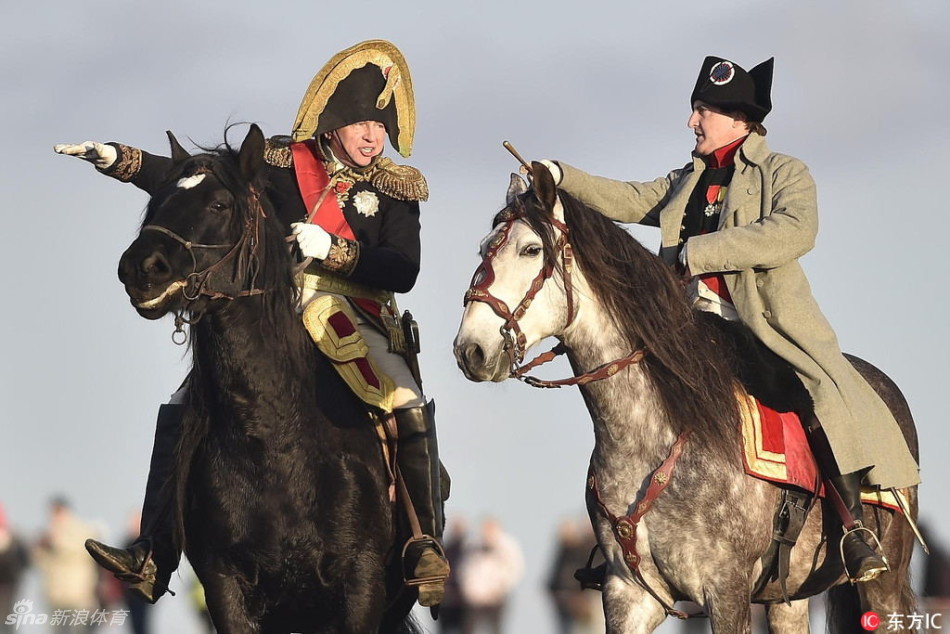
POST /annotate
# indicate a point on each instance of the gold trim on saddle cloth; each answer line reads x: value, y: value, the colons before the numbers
x: 760, y: 460
x: 885, y: 498
x: 773, y: 465
x: 332, y: 325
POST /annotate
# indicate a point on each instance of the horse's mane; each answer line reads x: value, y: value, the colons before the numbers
x: 645, y: 301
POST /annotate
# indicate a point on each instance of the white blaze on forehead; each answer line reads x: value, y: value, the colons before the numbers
x: 190, y: 181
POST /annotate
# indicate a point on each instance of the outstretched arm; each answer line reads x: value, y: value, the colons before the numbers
x: 122, y: 162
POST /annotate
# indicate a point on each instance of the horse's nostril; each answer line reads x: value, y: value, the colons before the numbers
x: 155, y: 265
x: 475, y: 355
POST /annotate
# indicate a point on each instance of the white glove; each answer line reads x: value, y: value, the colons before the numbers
x: 313, y: 240
x: 99, y: 154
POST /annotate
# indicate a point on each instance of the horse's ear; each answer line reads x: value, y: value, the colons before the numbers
x: 544, y: 187
x: 179, y: 153
x: 516, y: 187
x: 252, y: 152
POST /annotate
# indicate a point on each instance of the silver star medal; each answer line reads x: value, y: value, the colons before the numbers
x: 366, y: 203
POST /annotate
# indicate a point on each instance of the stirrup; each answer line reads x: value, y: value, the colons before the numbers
x: 592, y: 577
x: 873, y: 573
x: 424, y: 541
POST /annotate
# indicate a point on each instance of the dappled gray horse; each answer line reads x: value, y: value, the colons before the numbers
x: 674, y: 511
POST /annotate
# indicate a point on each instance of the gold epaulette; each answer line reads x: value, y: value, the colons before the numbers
x: 277, y: 151
x: 401, y: 182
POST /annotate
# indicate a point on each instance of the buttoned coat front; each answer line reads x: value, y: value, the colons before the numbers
x: 769, y: 220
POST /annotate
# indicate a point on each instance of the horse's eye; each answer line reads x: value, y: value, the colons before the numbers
x: 531, y: 251
x: 218, y: 205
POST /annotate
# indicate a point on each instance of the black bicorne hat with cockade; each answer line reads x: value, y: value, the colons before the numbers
x: 726, y: 85
x: 366, y: 82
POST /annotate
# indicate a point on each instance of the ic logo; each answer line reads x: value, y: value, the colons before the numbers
x: 870, y: 621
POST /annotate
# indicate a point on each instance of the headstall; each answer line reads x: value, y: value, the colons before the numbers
x: 200, y: 280
x: 514, y: 338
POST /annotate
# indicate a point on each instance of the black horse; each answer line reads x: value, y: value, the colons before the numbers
x: 282, y: 493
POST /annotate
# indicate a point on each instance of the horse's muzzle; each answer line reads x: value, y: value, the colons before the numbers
x: 149, y: 279
x: 477, y: 365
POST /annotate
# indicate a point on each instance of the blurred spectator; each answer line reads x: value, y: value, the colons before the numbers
x: 70, y: 577
x: 489, y: 571
x: 936, y: 586
x: 14, y: 560
x: 452, y: 612
x: 576, y: 610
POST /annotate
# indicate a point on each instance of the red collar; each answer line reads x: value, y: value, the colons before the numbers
x: 724, y: 156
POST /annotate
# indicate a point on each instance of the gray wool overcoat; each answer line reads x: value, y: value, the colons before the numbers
x: 769, y: 220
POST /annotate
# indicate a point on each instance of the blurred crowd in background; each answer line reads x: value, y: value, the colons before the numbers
x: 487, y: 564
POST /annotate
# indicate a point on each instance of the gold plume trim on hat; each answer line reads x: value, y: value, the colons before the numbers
x: 398, y: 87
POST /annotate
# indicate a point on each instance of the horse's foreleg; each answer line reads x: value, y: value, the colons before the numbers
x: 628, y: 609
x: 728, y: 607
x: 788, y: 619
x: 361, y: 610
x: 227, y: 606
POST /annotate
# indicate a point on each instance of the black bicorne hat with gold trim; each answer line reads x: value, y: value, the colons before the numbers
x: 727, y: 85
x: 366, y: 82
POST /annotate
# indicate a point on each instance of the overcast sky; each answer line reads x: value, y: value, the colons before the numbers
x: 860, y: 95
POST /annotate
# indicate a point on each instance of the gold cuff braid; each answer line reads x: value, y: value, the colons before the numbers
x: 127, y: 163
x: 343, y: 256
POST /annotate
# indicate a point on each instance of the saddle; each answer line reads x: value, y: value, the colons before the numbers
x: 772, y: 405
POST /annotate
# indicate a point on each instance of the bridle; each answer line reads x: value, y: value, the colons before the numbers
x: 515, y: 342
x: 200, y: 281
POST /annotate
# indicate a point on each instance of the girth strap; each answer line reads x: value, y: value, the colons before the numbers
x: 787, y: 526
x: 625, y: 527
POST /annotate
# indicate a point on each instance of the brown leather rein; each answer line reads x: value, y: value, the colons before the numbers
x: 514, y: 338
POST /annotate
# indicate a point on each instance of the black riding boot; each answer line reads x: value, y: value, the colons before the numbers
x: 860, y: 560
x: 148, y: 563
x: 417, y: 456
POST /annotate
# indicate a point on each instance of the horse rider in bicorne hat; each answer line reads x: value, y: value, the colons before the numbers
x: 358, y: 219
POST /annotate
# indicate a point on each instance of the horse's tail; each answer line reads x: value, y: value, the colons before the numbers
x: 843, y: 609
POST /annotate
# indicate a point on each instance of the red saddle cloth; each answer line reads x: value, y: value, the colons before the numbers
x: 774, y: 448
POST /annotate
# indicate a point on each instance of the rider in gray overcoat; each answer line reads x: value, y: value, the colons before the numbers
x: 767, y: 219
